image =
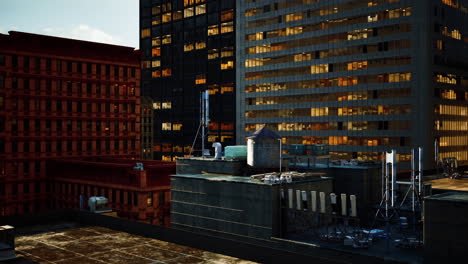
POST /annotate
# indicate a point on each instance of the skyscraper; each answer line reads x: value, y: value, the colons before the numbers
x: 360, y: 76
x: 188, y: 47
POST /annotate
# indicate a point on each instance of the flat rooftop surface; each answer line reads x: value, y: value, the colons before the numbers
x: 450, y: 196
x: 450, y: 184
x: 241, y: 179
x: 98, y: 245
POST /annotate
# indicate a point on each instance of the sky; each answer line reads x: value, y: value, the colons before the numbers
x: 106, y: 21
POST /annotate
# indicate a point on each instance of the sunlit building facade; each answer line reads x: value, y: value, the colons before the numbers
x: 360, y: 76
x: 188, y: 47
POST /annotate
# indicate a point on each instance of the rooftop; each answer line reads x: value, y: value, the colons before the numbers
x: 240, y: 179
x: 450, y: 184
x: 16, y: 41
x: 450, y: 196
x: 68, y: 243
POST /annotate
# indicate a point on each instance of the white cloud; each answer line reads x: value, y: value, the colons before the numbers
x: 83, y: 32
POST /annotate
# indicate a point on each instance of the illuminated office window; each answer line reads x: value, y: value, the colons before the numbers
x: 188, y: 12
x: 227, y: 15
x: 200, y: 45
x: 320, y: 68
x: 166, y: 39
x: 166, y: 126
x: 227, y: 65
x: 145, y: 33
x: 167, y: 17
x: 189, y: 47
x: 200, y: 79
x: 157, y: 105
x: 155, y: 52
x: 166, y: 72
x: 166, y: 105
x: 227, y: 52
x: 177, y: 127
x: 213, y: 54
x: 156, y: 74
x: 177, y: 15
x: 227, y: 27
x: 156, y: 41
x: 155, y: 63
x: 213, y: 30
x: 200, y: 9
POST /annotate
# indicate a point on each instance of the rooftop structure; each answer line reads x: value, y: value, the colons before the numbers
x: 446, y: 226
x: 135, y: 192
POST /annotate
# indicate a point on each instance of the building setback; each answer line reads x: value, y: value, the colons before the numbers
x: 359, y: 76
x: 188, y: 46
x: 61, y: 98
x: 142, y: 194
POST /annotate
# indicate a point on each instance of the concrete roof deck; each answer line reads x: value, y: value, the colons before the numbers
x: 450, y: 196
x: 450, y: 184
x: 240, y: 179
x: 98, y: 245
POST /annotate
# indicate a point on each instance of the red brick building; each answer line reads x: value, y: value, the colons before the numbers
x: 142, y: 195
x: 61, y: 98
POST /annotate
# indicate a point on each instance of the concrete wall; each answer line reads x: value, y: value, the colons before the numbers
x: 197, y: 165
x: 364, y: 182
x: 300, y: 219
x: 236, y: 210
x: 446, y: 227
x: 221, y: 208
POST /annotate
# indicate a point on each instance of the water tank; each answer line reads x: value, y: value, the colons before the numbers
x: 263, y: 149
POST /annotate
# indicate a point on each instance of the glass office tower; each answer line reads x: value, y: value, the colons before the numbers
x: 360, y: 76
x: 188, y: 47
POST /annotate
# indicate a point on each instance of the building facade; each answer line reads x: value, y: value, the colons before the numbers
x: 360, y: 76
x: 61, y: 98
x: 142, y: 195
x: 147, y: 120
x: 188, y: 46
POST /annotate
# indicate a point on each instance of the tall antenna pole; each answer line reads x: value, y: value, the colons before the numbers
x: 413, y: 177
x: 420, y: 169
x: 204, y: 117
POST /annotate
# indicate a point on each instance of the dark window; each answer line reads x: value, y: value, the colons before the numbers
x: 59, y: 106
x: 26, y: 63
x: 14, y: 61
x: 14, y: 83
x: 38, y: 64
x: 2, y: 60
x: 37, y: 146
x: 135, y: 198
x: 14, y: 146
x: 37, y: 166
x: 116, y: 71
x: 59, y: 125
x: 26, y: 147
x: 48, y: 64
